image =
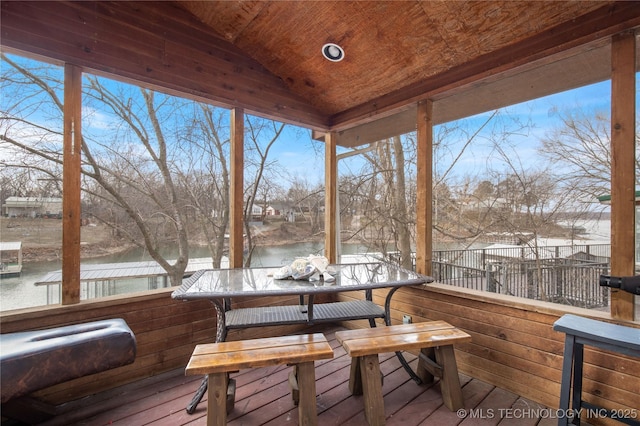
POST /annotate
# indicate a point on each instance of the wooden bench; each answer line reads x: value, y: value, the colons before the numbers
x: 435, y: 341
x: 217, y: 360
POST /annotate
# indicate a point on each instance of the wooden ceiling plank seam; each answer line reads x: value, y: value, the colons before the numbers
x: 255, y: 72
x: 581, y: 31
x: 42, y: 46
x: 135, y: 49
x: 244, y: 13
x: 265, y: 101
x: 178, y: 55
x: 109, y: 54
x: 234, y: 62
x: 191, y: 33
x: 28, y: 18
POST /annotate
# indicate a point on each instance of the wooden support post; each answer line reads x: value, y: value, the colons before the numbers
x: 71, y: 211
x: 424, y: 193
x: 236, y: 202
x: 623, y: 132
x: 330, y: 201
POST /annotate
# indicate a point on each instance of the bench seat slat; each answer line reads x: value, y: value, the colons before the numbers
x: 623, y: 339
x: 231, y: 356
x: 387, y: 339
x: 396, y: 329
x: 267, y: 342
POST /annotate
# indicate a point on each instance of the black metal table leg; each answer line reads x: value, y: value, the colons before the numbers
x: 191, y: 407
x: 387, y: 320
x: 221, y: 334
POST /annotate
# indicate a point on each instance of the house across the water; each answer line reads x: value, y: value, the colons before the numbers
x: 47, y: 207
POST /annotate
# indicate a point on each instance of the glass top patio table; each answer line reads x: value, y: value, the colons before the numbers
x: 228, y: 283
x: 221, y: 285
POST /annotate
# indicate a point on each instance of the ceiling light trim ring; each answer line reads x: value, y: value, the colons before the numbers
x: 333, y: 52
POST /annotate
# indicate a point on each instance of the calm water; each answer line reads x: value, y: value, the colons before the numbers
x: 20, y: 292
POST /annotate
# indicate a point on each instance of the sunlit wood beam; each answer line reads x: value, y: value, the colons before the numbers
x: 623, y: 132
x: 71, y: 210
x: 236, y: 202
x: 330, y: 203
x: 424, y: 194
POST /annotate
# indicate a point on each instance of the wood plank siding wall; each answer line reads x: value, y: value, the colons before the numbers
x: 166, y: 332
x: 514, y: 346
x: 513, y: 343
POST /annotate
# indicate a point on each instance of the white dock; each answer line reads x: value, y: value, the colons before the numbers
x: 10, y: 258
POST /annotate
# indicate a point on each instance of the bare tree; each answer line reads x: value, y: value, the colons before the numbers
x: 204, y: 177
x: 386, y: 185
x: 306, y: 200
x: 262, y: 135
x: 375, y: 201
x: 133, y: 163
x: 391, y: 197
x: 580, y: 150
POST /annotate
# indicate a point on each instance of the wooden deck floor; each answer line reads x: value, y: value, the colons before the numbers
x: 263, y: 398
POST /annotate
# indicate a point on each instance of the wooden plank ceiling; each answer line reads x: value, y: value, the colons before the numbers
x: 265, y: 56
x: 394, y: 46
x: 388, y: 44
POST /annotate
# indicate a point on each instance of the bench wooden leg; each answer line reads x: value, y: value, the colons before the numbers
x: 450, y: 382
x: 441, y: 362
x: 307, y: 410
x: 293, y: 384
x: 428, y: 369
x: 355, y: 377
x: 372, y: 389
x: 217, y: 399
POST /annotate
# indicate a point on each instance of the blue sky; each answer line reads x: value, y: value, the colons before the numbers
x: 303, y: 158
x: 543, y: 113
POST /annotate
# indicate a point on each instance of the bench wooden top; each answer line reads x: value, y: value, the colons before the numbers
x: 400, y: 337
x: 232, y: 356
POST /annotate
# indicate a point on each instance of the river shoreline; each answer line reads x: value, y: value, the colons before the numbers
x: 42, y: 238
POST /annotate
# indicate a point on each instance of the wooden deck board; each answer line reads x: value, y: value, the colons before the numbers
x: 263, y: 398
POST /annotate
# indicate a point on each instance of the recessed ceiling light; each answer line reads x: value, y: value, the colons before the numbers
x: 333, y: 52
